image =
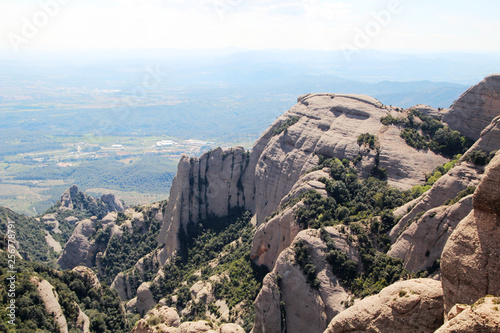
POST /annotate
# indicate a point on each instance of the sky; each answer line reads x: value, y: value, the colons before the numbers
x: 425, y: 25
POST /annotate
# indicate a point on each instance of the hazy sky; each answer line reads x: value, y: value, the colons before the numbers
x: 255, y: 24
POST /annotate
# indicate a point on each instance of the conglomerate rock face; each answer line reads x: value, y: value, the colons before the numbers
x: 476, y: 108
x: 288, y: 301
x: 407, y: 306
x: 482, y: 316
x: 421, y: 243
x: 319, y: 124
x: 470, y: 263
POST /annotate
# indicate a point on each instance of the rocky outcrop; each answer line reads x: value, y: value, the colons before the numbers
x: 407, y: 306
x: 274, y: 236
x: 161, y: 319
x: 166, y: 320
x: 79, y: 249
x: 287, y: 301
x: 82, y: 321
x: 112, y: 203
x: 470, y: 263
x: 72, y: 199
x: 482, y: 316
x: 88, y: 275
x: 319, y: 124
x: 202, y: 187
x: 463, y: 175
x: 421, y: 238
x: 476, y: 108
x: 145, y: 299
x: 51, y: 301
x: 422, y: 243
x: 124, y: 286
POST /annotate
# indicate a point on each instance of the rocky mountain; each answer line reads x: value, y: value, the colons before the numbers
x: 347, y: 215
x: 274, y: 178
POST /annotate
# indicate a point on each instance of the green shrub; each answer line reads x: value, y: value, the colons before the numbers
x: 367, y: 139
x: 480, y: 157
x: 460, y: 195
x: 284, y: 125
x: 304, y: 259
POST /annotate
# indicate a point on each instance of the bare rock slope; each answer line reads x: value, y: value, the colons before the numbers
x: 476, y: 108
x: 288, y: 301
x: 470, y: 262
x: 407, y: 306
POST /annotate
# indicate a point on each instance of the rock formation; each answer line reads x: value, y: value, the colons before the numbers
x: 51, y: 301
x: 88, y: 275
x: 471, y: 258
x: 72, y: 198
x: 407, y: 306
x: 319, y: 124
x: 164, y: 319
x: 422, y: 243
x: 476, y: 108
x: 79, y: 249
x: 482, y: 316
x: 287, y: 301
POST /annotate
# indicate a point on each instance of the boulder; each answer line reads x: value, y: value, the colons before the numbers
x: 145, y: 299
x: 406, y: 306
x: 483, y: 316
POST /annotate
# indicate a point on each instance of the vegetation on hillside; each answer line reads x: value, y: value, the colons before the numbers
x: 480, y: 157
x: 102, y: 306
x: 219, y: 248
x: 363, y: 208
x: 30, y: 233
x: 349, y: 198
x: 424, y: 132
x: 284, y: 125
x: 123, y: 252
x: 431, y: 178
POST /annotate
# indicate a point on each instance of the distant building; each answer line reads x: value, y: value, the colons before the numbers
x: 117, y: 146
x: 198, y: 142
x: 165, y: 143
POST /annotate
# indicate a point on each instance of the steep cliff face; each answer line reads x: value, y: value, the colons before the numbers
x: 476, y: 108
x: 470, y: 262
x: 203, y: 187
x: 319, y: 124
